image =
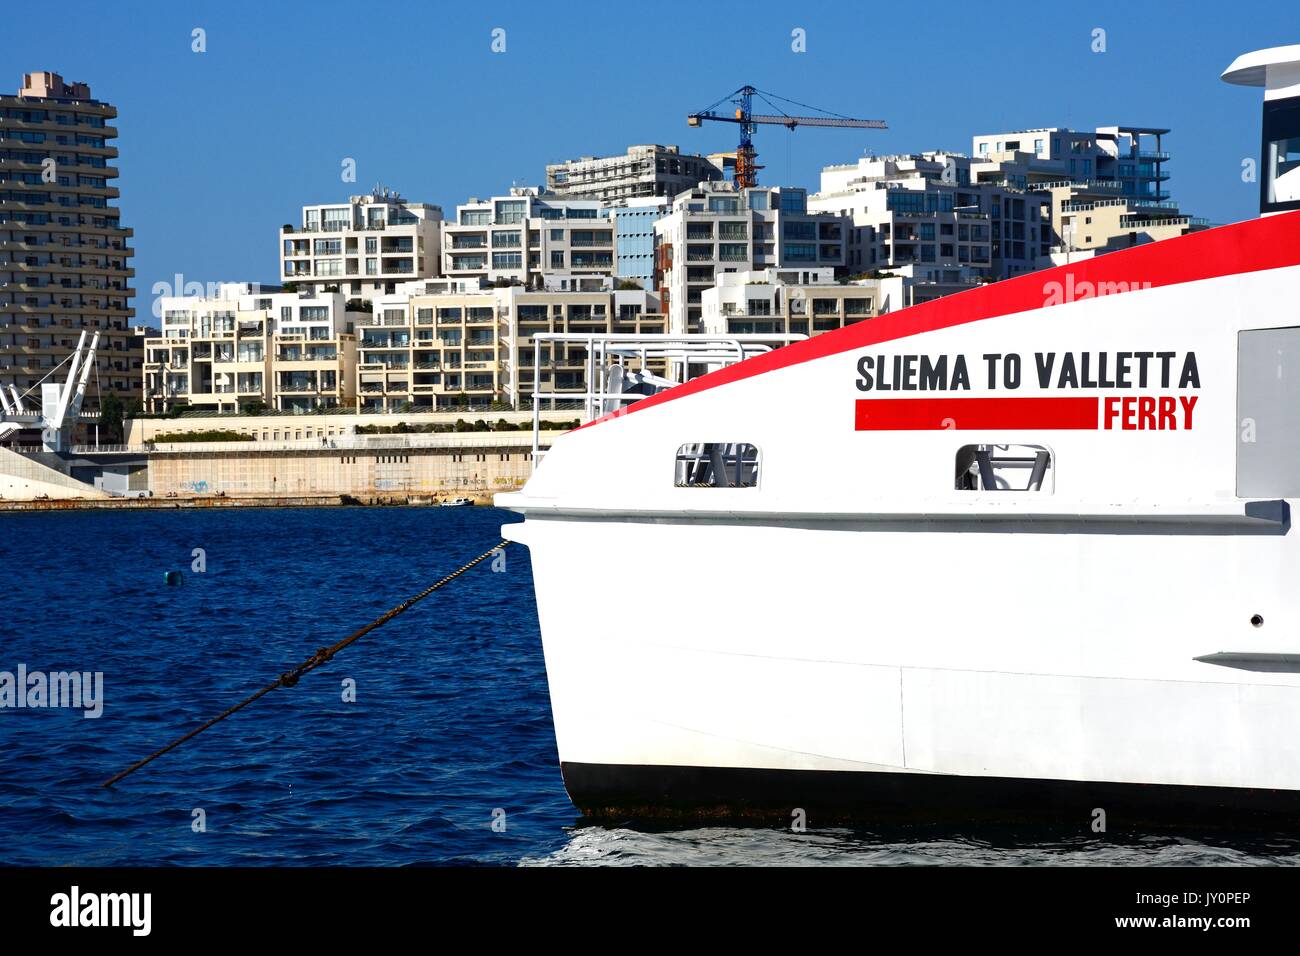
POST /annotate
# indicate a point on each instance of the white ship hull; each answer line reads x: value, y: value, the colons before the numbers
x: 1067, y: 690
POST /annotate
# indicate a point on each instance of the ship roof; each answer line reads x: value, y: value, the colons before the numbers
x: 1251, y: 69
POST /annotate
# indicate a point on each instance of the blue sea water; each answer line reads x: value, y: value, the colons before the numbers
x: 450, y: 729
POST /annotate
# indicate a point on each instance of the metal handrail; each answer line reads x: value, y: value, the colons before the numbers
x: 721, y: 350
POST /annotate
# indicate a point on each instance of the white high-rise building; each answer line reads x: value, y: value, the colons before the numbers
x: 515, y: 239
x: 926, y: 216
x: 362, y: 248
x: 715, y: 229
x: 640, y: 172
x: 1131, y: 156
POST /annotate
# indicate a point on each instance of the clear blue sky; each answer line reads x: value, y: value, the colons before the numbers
x: 218, y: 149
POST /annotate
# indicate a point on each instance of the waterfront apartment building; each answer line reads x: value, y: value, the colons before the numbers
x: 643, y: 171
x: 451, y: 343
x: 362, y: 248
x: 715, y: 229
x: 244, y: 348
x: 810, y: 302
x: 516, y: 239
x: 800, y: 302
x: 925, y: 216
x: 64, y: 252
x: 562, y: 367
x: 431, y: 345
x: 1132, y: 156
x: 1089, y: 225
x: 1107, y: 189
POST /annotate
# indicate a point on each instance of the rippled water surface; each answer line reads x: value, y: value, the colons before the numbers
x: 451, y: 721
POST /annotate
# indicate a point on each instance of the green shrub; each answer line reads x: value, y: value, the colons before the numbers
x: 212, y: 434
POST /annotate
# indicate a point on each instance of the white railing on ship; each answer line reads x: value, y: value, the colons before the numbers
x: 685, y: 350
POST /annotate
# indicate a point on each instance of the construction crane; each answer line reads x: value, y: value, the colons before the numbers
x: 746, y: 169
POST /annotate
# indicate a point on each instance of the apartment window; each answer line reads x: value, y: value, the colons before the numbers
x: 1004, y: 468
x: 337, y: 219
x: 913, y: 200
x: 716, y: 465
x: 507, y: 260
x: 329, y: 267
x: 475, y: 217
x: 372, y: 267
x: 557, y: 260
x: 372, y: 245
x: 510, y: 211
x: 725, y: 204
x: 794, y: 200
x: 328, y: 247
x: 557, y: 235
x: 758, y: 199
x: 507, y: 240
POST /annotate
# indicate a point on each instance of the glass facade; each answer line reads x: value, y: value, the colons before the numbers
x: 634, y: 240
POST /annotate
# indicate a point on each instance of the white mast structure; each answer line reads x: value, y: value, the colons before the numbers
x: 60, y: 404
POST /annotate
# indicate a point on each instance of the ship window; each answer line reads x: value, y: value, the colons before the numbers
x: 1004, y: 468
x: 1280, y: 184
x: 1268, y: 413
x: 716, y: 465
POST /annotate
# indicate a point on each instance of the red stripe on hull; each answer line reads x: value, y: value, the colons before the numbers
x: 964, y: 414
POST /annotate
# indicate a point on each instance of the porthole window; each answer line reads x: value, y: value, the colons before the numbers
x: 716, y: 465
x: 1004, y: 468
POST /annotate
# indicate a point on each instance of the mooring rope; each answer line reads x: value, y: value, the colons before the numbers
x: 322, y: 656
